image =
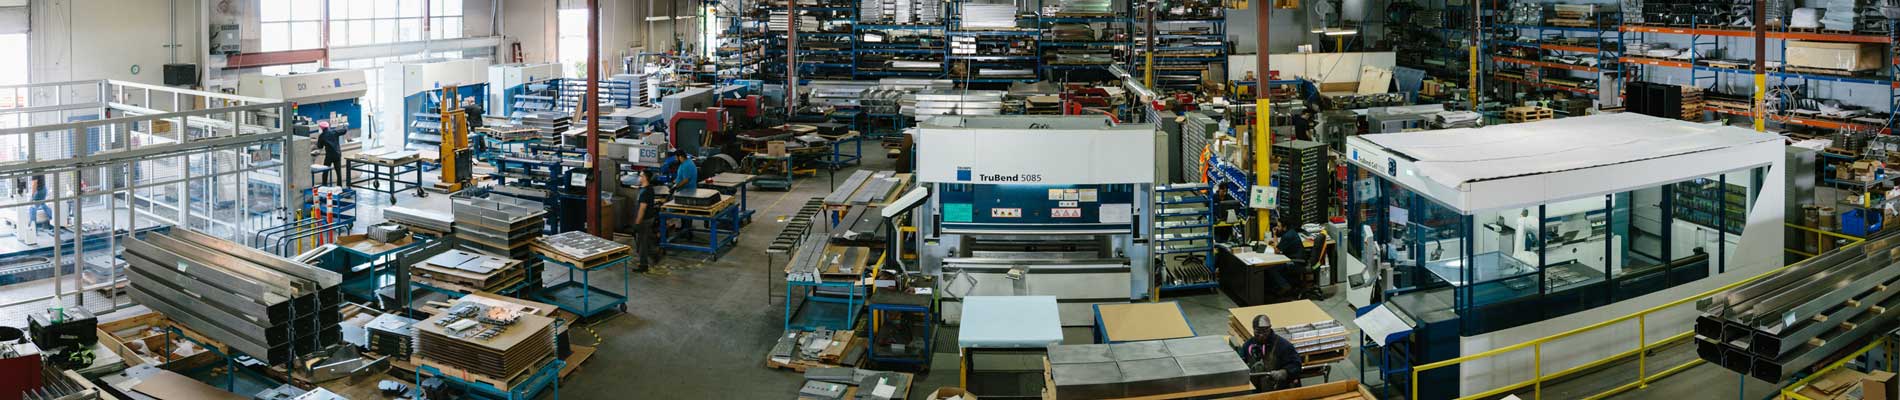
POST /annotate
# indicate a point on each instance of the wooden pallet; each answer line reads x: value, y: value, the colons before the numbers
x: 1528, y: 114
x: 622, y: 251
x: 574, y: 360
x: 502, y: 384
x: 701, y: 211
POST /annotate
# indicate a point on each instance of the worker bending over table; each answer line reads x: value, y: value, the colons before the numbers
x: 1273, y: 359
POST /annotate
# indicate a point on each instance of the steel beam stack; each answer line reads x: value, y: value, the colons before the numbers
x: 267, y: 306
x: 498, y: 225
x: 1798, y: 318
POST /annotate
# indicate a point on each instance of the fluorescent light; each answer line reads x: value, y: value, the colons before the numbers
x: 1341, y: 32
x: 1318, y: 30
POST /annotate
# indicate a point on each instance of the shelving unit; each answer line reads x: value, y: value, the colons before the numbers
x: 1433, y: 32
x: 1728, y: 79
x: 1184, y: 230
x: 742, y: 45
x: 613, y: 93
x: 974, y: 50
x: 1697, y: 201
x: 1066, y: 58
x: 1186, y: 46
x: 1534, y: 57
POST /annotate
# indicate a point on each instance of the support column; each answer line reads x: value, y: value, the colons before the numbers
x: 1263, y: 121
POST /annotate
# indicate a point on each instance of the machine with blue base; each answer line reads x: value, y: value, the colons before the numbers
x: 1010, y: 215
x: 415, y: 90
x: 334, y: 95
x: 523, y: 88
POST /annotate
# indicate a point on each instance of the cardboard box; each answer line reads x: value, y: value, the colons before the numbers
x: 1878, y: 385
x: 946, y: 393
x: 775, y: 148
x: 1835, y: 56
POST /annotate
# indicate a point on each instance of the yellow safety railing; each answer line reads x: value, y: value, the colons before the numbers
x: 1643, y: 377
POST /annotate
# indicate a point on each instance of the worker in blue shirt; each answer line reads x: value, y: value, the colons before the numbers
x: 686, y: 177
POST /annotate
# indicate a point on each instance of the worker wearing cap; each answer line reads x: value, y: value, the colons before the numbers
x: 1274, y: 360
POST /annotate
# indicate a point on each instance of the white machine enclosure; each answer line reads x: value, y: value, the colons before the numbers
x: 307, y: 88
x: 401, y: 80
x: 502, y: 77
x: 1030, y: 153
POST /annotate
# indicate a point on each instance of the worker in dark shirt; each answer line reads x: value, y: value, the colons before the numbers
x: 331, y: 142
x: 474, y: 112
x: 1288, y: 243
x: 1273, y: 359
x: 1303, y: 124
x: 646, y: 210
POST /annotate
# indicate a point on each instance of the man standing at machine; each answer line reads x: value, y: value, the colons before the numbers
x: 1274, y: 360
x: 473, y: 111
x: 686, y: 174
x: 331, y: 142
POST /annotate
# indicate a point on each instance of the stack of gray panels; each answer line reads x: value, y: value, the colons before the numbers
x: 989, y: 16
x: 266, y: 306
x: 498, y: 225
x: 1777, y: 326
x: 1197, y: 133
x: 953, y: 102
x: 426, y: 220
x: 1085, y: 8
x: 1150, y: 368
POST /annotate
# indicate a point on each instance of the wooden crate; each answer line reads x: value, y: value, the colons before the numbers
x: 141, y: 340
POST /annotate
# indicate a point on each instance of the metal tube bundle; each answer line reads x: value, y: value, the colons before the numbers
x: 1797, y: 318
x: 266, y: 306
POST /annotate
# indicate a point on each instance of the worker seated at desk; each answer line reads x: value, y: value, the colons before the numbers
x: 1274, y: 362
x: 1288, y: 243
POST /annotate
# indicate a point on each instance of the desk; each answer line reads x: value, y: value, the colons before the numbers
x: 1243, y: 274
x: 1134, y: 322
x: 721, y: 220
x: 1002, y: 341
x: 383, y: 174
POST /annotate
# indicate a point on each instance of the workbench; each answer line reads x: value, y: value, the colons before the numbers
x: 733, y: 185
x: 582, y: 297
x: 910, y: 319
x: 722, y: 221
x: 837, y: 159
x: 833, y: 281
x: 774, y: 172
x: 364, y: 263
x: 382, y: 173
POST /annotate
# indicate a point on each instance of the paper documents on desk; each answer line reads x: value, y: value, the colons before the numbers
x: 1381, y: 323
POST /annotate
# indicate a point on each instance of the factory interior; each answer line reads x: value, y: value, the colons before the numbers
x: 949, y: 199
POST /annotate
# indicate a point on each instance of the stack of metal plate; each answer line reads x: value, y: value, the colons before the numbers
x: 954, y: 102
x: 1078, y: 8
x: 838, y: 93
x: 1150, y: 368
x: 392, y: 335
x: 266, y: 306
x: 551, y: 124
x: 469, y: 339
x: 433, y: 221
x: 1778, y: 326
x: 498, y: 225
x: 579, y: 246
x: 977, y: 16
x: 915, y: 84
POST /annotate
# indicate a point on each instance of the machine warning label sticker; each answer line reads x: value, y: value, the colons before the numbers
x: 1006, y: 213
x: 957, y: 212
x: 1065, y: 213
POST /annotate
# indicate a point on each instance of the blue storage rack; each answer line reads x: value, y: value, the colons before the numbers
x: 1184, y: 224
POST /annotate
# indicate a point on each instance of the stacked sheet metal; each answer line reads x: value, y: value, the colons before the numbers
x: 953, y: 102
x: 434, y: 221
x: 989, y: 16
x: 1150, y: 368
x: 1085, y: 8
x: 266, y: 306
x: 1783, y: 324
x: 498, y: 225
x: 475, y: 339
x: 392, y: 335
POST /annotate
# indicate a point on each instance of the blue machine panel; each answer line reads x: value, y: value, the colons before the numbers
x: 348, y: 107
x: 1032, y: 207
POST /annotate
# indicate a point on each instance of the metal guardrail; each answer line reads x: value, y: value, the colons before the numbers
x: 1641, y: 352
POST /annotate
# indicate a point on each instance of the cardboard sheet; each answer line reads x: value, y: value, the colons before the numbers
x: 1143, y: 321
x: 167, y: 385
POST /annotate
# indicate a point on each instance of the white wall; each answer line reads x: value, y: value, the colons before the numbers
x: 81, y: 39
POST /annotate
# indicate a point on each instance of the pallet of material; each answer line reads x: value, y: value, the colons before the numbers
x: 523, y: 346
x: 1828, y: 71
x: 580, y: 249
x: 420, y: 220
x: 1573, y: 23
x: 1318, y: 337
x: 837, y: 353
x: 469, y: 270
x: 704, y: 211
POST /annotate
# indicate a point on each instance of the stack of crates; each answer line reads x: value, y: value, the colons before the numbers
x: 1300, y: 169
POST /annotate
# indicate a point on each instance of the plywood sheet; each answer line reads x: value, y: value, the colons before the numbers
x: 1143, y: 321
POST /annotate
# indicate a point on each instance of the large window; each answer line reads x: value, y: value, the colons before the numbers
x: 12, y: 68
x: 573, y: 41
x: 292, y: 24
x: 289, y: 24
